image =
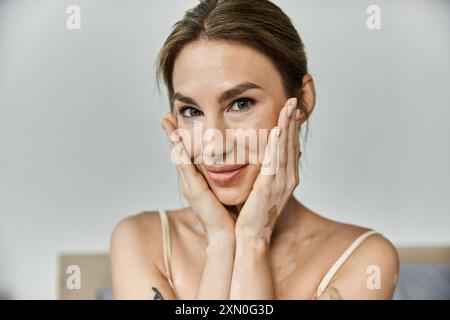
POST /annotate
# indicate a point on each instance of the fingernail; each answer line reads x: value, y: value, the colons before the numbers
x: 297, y: 114
x: 293, y: 102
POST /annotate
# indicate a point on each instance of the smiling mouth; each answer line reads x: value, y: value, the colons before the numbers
x: 224, y: 174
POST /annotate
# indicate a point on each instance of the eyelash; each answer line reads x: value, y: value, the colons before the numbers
x: 251, y: 100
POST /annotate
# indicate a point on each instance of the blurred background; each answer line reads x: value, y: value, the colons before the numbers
x: 81, y: 146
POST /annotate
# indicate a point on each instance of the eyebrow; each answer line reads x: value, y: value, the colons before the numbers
x: 226, y: 95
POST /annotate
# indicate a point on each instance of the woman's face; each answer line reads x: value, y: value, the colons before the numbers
x: 203, y: 74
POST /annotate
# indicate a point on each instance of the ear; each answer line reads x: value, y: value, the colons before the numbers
x: 307, y: 95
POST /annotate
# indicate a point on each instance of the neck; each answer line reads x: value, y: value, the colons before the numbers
x: 292, y: 207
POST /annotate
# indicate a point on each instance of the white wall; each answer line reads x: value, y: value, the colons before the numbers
x: 81, y: 146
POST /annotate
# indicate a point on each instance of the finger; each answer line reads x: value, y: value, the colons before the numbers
x: 283, y: 124
x: 271, y: 154
x: 170, y: 131
x: 291, y: 145
x: 297, y: 160
x: 187, y: 144
x: 172, y: 119
x: 297, y: 142
x: 184, y: 165
x: 175, y: 148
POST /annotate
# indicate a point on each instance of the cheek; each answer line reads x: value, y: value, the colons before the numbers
x: 255, y: 138
x: 265, y: 122
x: 267, y: 115
x: 260, y: 122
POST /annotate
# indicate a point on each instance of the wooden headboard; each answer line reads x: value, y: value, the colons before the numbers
x: 95, y: 272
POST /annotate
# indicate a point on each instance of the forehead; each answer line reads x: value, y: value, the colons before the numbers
x: 217, y: 65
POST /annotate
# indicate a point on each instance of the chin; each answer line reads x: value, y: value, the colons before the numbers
x: 230, y: 196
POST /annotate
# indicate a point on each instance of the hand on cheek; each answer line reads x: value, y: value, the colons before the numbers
x: 214, y: 217
x: 277, y: 180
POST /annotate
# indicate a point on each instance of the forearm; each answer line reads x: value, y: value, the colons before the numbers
x: 215, y: 280
x: 252, y: 274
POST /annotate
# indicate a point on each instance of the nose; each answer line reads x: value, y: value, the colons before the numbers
x: 215, y: 127
x: 215, y: 121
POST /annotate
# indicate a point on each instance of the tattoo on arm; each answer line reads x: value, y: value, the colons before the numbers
x: 158, y: 295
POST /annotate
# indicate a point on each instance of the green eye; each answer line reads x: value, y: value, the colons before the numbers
x: 242, y: 104
x: 239, y: 105
x: 189, y: 112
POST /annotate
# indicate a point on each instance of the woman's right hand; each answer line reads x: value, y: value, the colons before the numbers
x: 215, y: 218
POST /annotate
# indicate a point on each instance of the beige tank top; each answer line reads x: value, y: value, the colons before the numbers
x: 322, y: 285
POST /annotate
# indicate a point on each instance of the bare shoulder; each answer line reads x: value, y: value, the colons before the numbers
x: 137, y: 257
x: 371, y: 271
x: 374, y: 247
x: 143, y: 230
x: 340, y: 235
x: 135, y: 242
x: 137, y: 228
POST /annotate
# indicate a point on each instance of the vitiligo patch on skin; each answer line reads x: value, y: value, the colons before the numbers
x: 266, y: 224
x: 299, y: 236
x: 285, y: 270
x: 306, y: 242
x: 261, y: 238
x: 271, y: 216
x: 334, y: 294
x: 284, y: 263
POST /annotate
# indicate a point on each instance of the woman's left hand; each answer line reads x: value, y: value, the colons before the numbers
x: 273, y: 188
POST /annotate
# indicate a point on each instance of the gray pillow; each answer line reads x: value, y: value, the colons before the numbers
x: 105, y: 293
x: 423, y: 282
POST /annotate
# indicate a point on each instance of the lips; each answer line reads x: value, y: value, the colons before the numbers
x: 224, y: 174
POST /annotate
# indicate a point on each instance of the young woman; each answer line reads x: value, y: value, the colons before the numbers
x: 240, y: 64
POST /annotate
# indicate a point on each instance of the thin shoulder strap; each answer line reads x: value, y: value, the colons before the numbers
x: 166, y: 245
x: 340, y: 261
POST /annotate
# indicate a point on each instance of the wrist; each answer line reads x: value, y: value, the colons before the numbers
x: 257, y: 241
x: 253, y: 234
x: 221, y: 249
x: 221, y: 240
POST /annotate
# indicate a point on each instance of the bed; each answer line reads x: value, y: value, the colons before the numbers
x: 424, y: 274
